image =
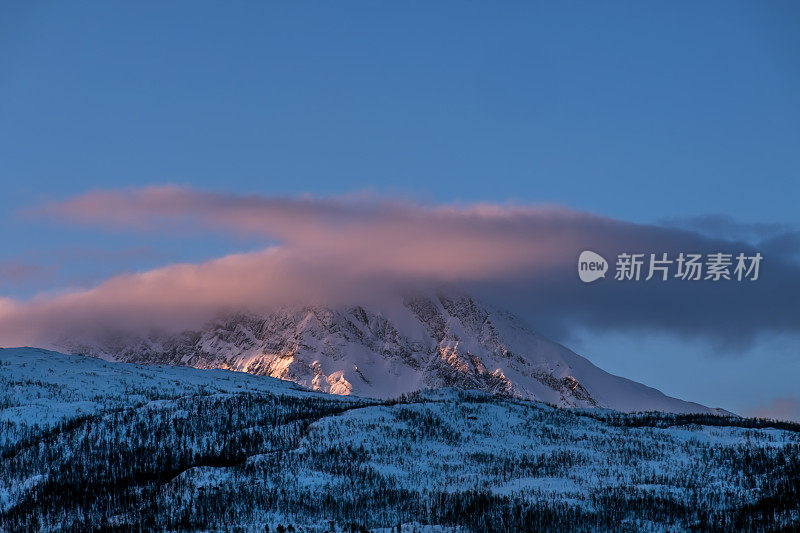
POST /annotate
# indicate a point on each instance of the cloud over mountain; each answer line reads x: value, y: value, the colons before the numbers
x: 355, y: 247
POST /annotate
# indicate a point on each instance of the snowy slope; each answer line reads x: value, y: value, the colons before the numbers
x: 384, y: 350
x: 42, y: 387
x: 177, y: 448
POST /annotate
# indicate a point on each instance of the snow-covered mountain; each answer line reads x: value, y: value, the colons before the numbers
x: 384, y: 350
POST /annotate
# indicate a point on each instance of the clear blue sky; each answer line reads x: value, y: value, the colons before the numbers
x: 636, y: 111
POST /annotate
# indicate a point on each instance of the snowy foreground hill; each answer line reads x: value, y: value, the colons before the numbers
x: 396, y: 347
x: 90, y: 445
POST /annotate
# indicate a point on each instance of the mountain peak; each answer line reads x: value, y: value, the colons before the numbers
x: 384, y: 350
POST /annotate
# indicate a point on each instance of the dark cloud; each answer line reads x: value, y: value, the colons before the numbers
x: 727, y: 227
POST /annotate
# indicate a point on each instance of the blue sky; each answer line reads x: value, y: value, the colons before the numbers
x: 640, y: 112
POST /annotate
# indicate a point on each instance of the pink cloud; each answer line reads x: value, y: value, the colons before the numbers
x: 172, y: 297
x: 329, y: 249
x: 384, y: 236
x: 354, y: 247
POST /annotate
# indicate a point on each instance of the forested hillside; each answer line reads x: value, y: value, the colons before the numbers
x: 90, y: 445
